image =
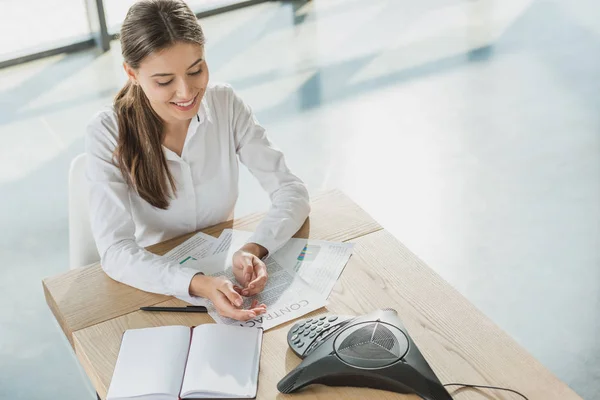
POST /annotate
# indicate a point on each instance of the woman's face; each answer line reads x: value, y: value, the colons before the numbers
x: 174, y: 80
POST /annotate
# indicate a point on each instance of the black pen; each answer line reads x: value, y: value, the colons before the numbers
x: 194, y: 309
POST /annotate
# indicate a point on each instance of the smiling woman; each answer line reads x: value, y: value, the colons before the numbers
x: 163, y: 161
x: 195, y: 73
x: 158, y: 41
x: 174, y: 96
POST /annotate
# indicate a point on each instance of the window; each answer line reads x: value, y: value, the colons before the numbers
x: 31, y: 26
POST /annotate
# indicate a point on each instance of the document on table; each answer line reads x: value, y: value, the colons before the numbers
x: 301, y: 274
x: 195, y: 248
x: 319, y: 263
x: 286, y: 296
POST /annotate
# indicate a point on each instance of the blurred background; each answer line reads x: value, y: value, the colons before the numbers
x: 470, y: 129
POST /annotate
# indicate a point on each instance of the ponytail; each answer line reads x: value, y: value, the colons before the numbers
x: 139, y: 152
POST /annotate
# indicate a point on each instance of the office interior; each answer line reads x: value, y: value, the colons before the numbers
x: 467, y: 128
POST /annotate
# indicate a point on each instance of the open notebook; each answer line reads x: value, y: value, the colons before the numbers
x: 171, y: 362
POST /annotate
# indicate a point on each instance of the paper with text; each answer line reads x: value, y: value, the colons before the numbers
x: 286, y: 296
x: 301, y: 276
x: 195, y: 248
x: 318, y: 263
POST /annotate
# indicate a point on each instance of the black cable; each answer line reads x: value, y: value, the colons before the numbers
x: 485, y: 387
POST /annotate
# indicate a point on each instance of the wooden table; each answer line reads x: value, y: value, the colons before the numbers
x: 459, y: 342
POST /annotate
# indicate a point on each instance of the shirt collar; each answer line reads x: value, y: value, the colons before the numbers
x: 204, y: 113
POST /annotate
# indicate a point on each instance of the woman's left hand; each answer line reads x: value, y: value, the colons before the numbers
x: 249, y: 270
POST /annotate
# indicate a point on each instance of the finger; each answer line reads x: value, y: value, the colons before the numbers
x: 238, y: 288
x: 259, y: 278
x: 229, y: 292
x: 260, y: 271
x: 226, y: 309
x: 245, y: 289
x: 258, y: 310
x: 256, y: 290
x: 259, y: 283
x: 243, y: 315
x: 255, y: 305
x: 248, y: 271
x: 255, y: 286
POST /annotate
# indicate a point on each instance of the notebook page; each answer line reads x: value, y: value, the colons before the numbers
x: 223, y: 360
x: 150, y: 361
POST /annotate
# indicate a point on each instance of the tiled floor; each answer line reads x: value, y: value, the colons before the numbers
x: 469, y: 129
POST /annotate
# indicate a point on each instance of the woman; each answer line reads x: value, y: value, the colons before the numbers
x: 163, y: 161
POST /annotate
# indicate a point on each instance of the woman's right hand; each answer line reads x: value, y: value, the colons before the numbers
x: 224, y: 296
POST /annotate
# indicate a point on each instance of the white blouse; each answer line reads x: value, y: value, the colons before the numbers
x: 206, y: 177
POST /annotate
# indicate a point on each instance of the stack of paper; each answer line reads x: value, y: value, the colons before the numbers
x: 301, y: 274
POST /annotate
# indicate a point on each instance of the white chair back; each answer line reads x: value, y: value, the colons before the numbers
x: 82, y: 247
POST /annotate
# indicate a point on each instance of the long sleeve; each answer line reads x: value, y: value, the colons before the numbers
x: 289, y: 196
x: 112, y: 224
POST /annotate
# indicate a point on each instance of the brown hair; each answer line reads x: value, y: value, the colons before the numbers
x: 150, y: 26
